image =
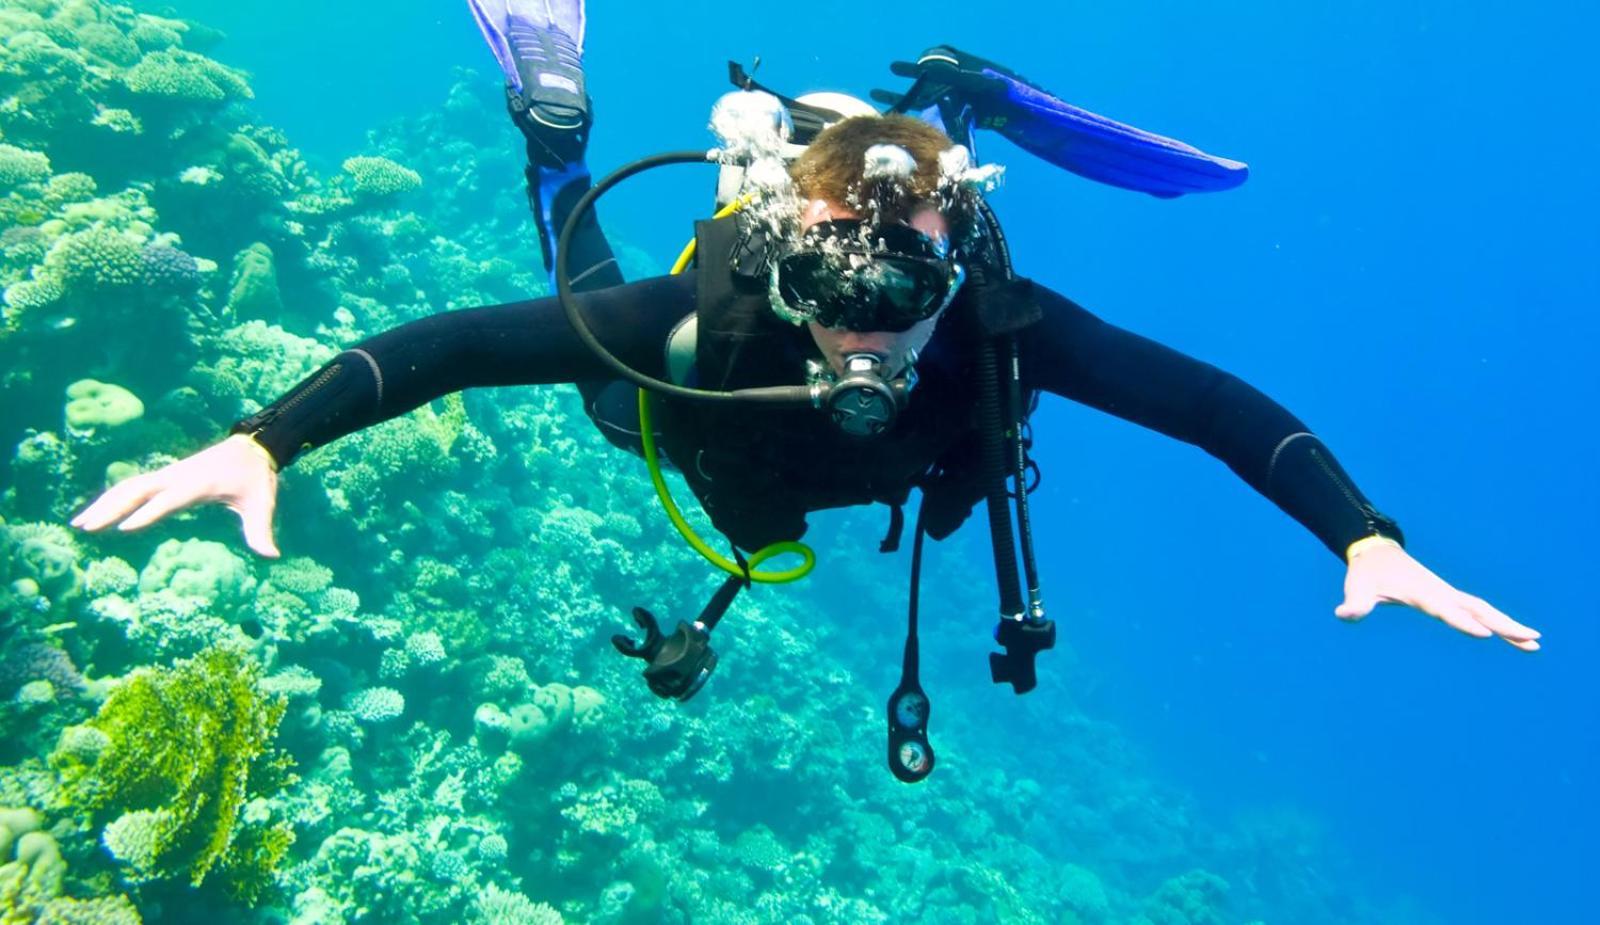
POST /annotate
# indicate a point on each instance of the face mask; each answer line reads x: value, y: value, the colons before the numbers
x: 848, y: 274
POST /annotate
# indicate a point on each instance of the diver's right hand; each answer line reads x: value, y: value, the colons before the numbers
x: 237, y: 472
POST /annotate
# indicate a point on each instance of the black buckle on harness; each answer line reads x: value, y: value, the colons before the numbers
x: 1022, y: 640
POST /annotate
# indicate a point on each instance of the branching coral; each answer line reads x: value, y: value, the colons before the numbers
x: 377, y: 704
x: 19, y: 166
x: 37, y: 661
x: 189, y: 747
x: 504, y: 907
x: 32, y: 872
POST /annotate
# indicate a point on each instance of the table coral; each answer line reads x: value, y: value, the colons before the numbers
x: 379, y: 177
x: 183, y: 77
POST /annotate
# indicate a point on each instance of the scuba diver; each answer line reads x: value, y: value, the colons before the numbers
x: 849, y: 329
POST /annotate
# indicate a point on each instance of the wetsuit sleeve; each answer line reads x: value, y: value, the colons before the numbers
x: 1073, y: 353
x: 518, y: 343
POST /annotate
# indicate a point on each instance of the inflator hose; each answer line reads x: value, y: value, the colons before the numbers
x: 1019, y: 454
x: 992, y: 431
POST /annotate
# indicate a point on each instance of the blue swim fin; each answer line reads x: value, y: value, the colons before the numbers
x: 965, y: 92
x: 539, y: 47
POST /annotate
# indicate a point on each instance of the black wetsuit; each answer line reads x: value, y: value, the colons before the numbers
x: 1070, y: 353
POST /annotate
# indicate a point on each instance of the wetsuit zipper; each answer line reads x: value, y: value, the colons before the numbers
x: 1367, y: 512
x: 269, y: 415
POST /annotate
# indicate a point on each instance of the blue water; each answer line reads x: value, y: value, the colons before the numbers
x: 1413, y: 268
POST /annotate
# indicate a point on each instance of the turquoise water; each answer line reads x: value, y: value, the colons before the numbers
x: 420, y: 693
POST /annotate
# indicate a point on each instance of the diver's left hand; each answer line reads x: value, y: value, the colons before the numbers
x: 1384, y: 573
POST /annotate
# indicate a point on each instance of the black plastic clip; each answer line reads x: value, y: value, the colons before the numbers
x: 1022, y: 640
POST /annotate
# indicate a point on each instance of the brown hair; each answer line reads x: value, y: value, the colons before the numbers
x: 831, y: 166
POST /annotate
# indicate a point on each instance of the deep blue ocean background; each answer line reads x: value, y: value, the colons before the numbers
x: 1413, y: 268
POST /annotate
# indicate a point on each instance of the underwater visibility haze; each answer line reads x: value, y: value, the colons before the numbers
x: 415, y: 715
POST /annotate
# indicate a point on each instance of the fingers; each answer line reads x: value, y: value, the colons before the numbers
x: 1395, y: 577
x: 1490, y: 616
x: 166, y: 501
x: 255, y: 513
x: 1475, y: 617
x: 117, y: 502
x: 1456, y: 616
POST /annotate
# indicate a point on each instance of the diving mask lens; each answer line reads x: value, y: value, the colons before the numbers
x: 888, y: 279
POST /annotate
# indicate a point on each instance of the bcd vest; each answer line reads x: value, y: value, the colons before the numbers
x: 757, y: 471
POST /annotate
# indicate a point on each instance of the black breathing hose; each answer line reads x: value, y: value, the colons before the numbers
x: 776, y: 395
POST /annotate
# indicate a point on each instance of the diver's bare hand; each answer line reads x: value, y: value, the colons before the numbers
x: 1381, y: 572
x: 237, y: 472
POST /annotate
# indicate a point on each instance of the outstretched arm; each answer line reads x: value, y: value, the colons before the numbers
x: 520, y: 343
x: 1077, y: 355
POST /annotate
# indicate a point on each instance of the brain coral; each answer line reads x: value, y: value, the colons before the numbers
x: 46, y: 554
x: 200, y: 569
x: 93, y: 404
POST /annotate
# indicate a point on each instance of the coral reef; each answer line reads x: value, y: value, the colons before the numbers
x: 432, y: 652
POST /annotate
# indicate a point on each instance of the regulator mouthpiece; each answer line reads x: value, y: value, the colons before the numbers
x: 862, y: 403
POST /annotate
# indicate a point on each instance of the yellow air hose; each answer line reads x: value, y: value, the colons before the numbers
x: 652, y: 460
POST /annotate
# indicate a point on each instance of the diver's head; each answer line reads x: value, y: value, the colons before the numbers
x: 834, y: 166
x: 871, y: 269
x: 893, y: 337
